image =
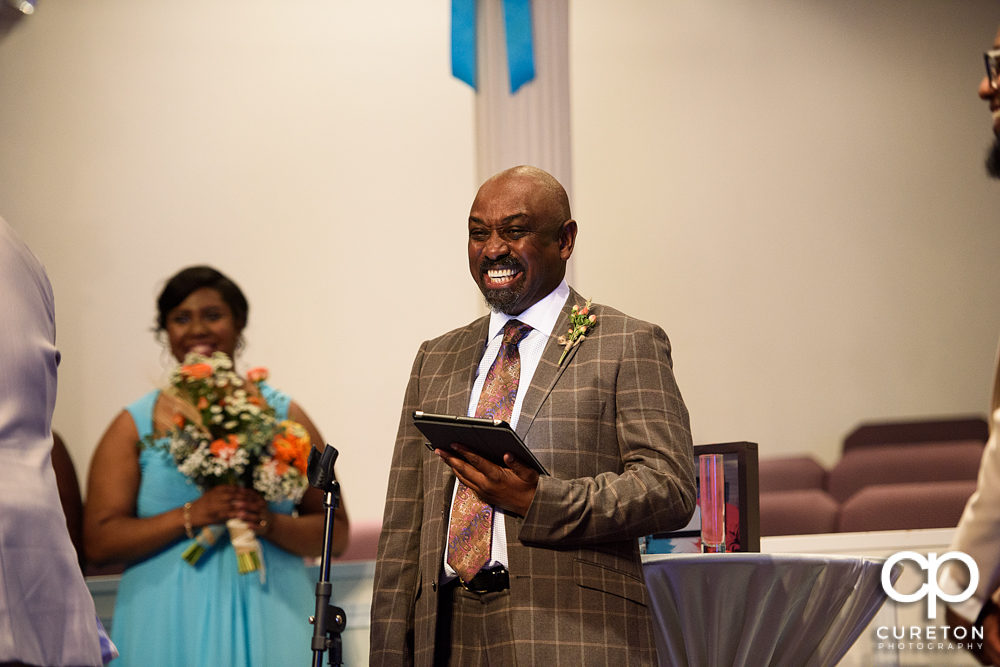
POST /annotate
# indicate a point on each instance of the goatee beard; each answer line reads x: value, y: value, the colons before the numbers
x: 500, y: 300
x: 993, y: 159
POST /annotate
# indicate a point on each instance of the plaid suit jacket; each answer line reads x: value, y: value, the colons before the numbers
x: 610, y: 426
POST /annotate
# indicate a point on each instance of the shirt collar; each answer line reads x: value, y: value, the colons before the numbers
x: 542, y: 316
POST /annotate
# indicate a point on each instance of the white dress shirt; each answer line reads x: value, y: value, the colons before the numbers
x: 541, y: 317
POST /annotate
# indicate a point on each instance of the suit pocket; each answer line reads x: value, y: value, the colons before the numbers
x: 610, y: 581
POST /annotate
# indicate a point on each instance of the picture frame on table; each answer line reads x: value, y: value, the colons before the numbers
x: 740, y: 465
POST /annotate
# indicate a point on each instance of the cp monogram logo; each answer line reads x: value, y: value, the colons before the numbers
x: 930, y: 589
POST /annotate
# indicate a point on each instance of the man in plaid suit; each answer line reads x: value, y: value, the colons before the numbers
x: 563, y: 582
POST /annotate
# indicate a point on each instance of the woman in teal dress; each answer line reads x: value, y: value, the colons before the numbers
x: 141, y: 510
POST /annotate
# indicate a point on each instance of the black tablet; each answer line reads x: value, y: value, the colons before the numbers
x: 489, y: 438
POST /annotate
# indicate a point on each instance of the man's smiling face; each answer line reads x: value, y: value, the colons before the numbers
x: 518, y: 247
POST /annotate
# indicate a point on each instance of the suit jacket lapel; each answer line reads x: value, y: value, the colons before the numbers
x: 549, y: 369
x: 467, y: 358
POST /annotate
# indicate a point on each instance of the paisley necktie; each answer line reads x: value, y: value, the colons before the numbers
x: 471, y: 526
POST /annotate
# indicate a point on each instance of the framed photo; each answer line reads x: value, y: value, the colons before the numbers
x: 742, y: 505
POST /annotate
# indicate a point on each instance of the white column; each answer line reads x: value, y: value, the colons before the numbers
x: 531, y: 126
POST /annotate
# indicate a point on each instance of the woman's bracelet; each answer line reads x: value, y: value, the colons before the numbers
x: 187, y: 521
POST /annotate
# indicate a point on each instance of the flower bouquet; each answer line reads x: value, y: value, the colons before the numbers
x: 221, y: 431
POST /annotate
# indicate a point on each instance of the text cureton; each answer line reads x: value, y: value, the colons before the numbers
x: 942, y: 632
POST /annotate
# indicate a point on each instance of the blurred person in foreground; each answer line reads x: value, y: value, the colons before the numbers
x: 47, y: 616
x: 482, y: 564
x: 171, y: 471
x: 978, y: 532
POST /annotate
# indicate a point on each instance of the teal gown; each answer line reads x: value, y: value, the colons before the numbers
x: 169, y: 613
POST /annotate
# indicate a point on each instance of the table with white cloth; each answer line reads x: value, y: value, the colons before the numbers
x: 761, y: 609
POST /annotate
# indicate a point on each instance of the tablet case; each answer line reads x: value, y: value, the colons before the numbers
x: 489, y: 438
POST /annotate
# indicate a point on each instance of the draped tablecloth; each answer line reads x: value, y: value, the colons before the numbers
x: 780, y: 610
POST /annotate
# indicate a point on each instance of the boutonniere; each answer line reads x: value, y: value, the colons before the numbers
x: 581, y: 321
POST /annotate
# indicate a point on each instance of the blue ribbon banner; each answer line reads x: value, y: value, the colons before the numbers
x: 520, y: 43
x: 463, y: 40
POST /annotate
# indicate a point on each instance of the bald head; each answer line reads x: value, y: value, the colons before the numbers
x: 549, y: 197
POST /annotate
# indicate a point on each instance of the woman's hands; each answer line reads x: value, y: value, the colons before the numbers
x: 250, y: 506
x: 217, y: 505
x: 221, y: 503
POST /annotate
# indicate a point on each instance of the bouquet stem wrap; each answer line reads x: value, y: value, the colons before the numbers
x: 205, y: 542
x: 249, y: 554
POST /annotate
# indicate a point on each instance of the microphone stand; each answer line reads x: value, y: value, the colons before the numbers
x: 329, y: 621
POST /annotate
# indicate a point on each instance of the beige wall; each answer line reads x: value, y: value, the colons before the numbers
x: 321, y: 154
x: 793, y: 190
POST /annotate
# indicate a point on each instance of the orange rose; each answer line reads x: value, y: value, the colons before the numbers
x: 258, y: 374
x: 197, y: 371
x: 287, y: 450
x: 179, y: 420
x: 280, y: 467
x: 292, y: 445
x: 202, y: 403
x: 224, y: 448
